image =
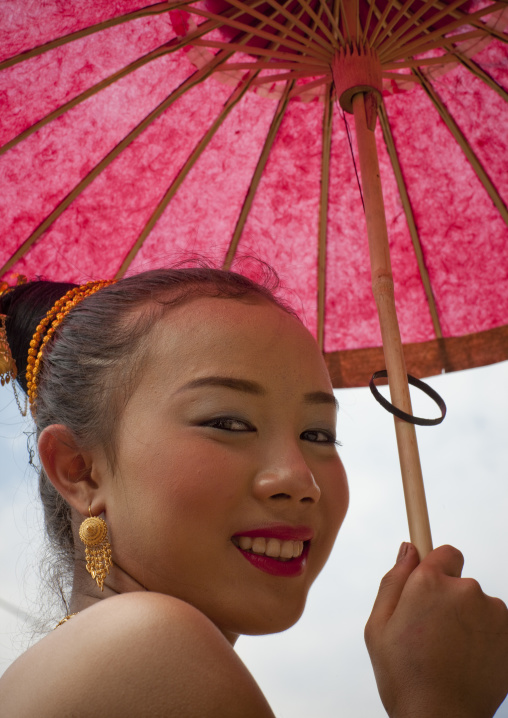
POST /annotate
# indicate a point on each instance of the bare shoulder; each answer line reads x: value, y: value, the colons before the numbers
x: 138, y: 654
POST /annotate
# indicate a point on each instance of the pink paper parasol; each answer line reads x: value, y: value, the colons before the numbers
x: 133, y: 135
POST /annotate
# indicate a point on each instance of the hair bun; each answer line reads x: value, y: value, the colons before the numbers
x: 25, y: 306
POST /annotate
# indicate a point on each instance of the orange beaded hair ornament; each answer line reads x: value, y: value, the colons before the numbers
x: 47, y: 328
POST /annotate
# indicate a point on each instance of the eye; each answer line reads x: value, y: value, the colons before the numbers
x: 320, y: 436
x: 228, y: 423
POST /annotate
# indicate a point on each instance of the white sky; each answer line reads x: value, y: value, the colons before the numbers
x: 320, y: 667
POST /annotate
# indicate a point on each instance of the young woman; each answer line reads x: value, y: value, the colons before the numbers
x: 193, y: 412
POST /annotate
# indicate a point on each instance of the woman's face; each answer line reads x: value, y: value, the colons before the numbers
x: 226, y: 455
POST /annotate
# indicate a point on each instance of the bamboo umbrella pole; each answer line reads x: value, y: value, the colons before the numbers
x: 364, y: 109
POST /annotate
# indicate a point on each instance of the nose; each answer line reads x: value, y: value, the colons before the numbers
x: 287, y: 478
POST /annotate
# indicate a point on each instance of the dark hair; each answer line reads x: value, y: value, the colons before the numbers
x: 91, y: 365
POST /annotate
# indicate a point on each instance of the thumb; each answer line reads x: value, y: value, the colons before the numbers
x: 392, y: 584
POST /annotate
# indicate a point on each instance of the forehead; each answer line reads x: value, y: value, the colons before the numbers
x: 252, y: 336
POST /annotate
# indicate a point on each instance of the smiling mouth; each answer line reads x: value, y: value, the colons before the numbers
x: 283, y: 551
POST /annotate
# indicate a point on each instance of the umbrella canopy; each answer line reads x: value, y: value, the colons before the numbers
x: 133, y: 135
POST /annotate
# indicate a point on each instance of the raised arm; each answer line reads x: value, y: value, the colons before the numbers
x: 438, y: 644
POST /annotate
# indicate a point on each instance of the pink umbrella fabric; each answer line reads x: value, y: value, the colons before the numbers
x: 77, y: 193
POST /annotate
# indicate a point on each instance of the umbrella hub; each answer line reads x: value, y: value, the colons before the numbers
x: 356, y: 70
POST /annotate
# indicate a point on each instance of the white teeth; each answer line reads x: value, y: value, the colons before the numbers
x: 288, y: 549
x: 270, y: 547
x: 273, y: 548
x: 259, y: 545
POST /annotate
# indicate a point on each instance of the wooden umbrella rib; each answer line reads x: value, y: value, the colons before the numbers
x: 172, y: 46
x: 333, y: 22
x: 297, y: 45
x: 323, y: 215
x: 378, y: 26
x: 301, y: 89
x: 466, y: 148
x: 260, y: 51
x: 479, y: 72
x: 366, y: 36
x: 168, y: 48
x: 233, y: 100
x: 425, y: 46
x: 158, y: 9
x: 194, y: 79
x: 398, y: 76
x: 289, y: 75
x: 406, y: 11
x: 452, y: 49
x: 276, y: 65
x: 336, y: 14
x: 406, y: 27
x: 307, y: 31
x: 421, y: 44
x: 318, y: 21
x: 272, y: 50
x: 486, y: 29
x: 324, y: 48
x: 383, y: 27
x: 423, y: 62
x: 408, y: 211
x: 402, y: 10
x: 411, y: 28
x: 256, y: 177
x: 348, y: 34
x: 492, y: 9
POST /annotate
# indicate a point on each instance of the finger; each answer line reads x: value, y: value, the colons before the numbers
x: 445, y: 559
x: 393, y: 583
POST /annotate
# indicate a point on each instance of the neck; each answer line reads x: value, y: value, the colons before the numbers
x: 85, y: 591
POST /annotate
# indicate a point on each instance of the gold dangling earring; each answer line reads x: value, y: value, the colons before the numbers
x: 7, y: 363
x: 94, y: 534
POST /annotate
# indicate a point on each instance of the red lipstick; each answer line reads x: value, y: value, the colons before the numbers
x: 287, y: 569
x: 278, y: 531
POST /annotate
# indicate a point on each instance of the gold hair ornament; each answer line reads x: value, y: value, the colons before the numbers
x: 94, y: 534
x: 8, y: 369
x: 48, y: 326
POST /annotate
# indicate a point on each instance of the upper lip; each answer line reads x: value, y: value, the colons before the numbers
x: 281, y: 532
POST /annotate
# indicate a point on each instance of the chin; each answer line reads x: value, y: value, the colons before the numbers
x: 265, y: 621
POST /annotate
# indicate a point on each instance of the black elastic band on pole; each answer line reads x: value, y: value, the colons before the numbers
x: 402, y: 414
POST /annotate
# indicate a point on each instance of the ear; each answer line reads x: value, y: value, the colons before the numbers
x: 70, y: 469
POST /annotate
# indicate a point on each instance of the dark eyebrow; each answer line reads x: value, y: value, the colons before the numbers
x: 252, y: 387
x: 321, y: 397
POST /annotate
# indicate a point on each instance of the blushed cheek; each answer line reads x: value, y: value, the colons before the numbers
x: 337, y: 500
x: 203, y: 482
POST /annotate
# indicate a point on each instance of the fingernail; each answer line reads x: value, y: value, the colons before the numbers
x: 402, y: 551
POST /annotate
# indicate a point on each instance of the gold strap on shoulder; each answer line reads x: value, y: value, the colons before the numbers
x: 64, y: 620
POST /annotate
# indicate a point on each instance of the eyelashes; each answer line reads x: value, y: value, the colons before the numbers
x: 329, y: 438
x: 234, y: 425
x: 226, y: 423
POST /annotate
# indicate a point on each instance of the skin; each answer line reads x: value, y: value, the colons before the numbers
x: 194, y: 467
x: 438, y: 644
x: 198, y: 465
x: 158, y: 641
